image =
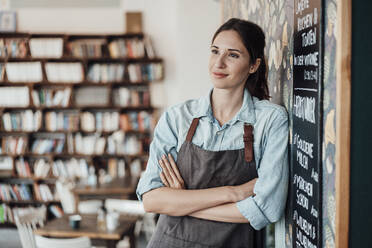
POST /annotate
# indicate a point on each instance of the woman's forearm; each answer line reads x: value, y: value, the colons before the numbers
x: 223, y: 213
x: 180, y: 202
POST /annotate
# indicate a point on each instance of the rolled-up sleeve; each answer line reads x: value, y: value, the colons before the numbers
x: 164, y: 142
x: 267, y: 206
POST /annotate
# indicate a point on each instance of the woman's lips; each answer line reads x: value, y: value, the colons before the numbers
x: 219, y: 75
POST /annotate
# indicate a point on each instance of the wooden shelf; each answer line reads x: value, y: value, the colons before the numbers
x: 28, y: 202
x: 76, y: 131
x: 91, y: 107
x: 88, y: 59
x: 45, y: 87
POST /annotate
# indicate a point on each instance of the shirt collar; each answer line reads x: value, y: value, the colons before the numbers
x: 245, y: 114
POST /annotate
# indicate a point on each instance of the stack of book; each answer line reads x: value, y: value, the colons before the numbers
x: 25, y: 120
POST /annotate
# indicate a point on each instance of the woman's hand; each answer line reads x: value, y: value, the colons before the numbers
x: 245, y: 190
x: 170, y: 175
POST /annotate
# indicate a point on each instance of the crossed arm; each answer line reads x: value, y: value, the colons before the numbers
x: 216, y: 204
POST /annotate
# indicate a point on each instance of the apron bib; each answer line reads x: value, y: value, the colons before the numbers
x: 201, y: 169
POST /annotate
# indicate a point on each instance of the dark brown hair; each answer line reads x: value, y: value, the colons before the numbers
x: 253, y: 39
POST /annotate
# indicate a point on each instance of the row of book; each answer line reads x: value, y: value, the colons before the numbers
x: 44, y: 193
x: 7, y: 212
x: 104, y: 73
x: 70, y: 168
x: 145, y: 72
x: 131, y: 97
x: 62, y: 120
x: 13, y: 144
x: 99, y: 121
x: 26, y: 120
x: 39, y: 168
x: 116, y: 144
x: 13, y: 48
x: 136, y: 121
x: 48, y: 145
x: 52, y: 47
x: 73, y: 72
x: 86, y: 48
x: 16, y: 192
x: 127, y: 48
x: 51, y: 97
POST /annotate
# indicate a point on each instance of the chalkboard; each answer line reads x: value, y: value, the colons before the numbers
x: 306, y: 159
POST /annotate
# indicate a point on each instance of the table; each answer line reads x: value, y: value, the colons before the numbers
x: 60, y: 228
x: 118, y: 188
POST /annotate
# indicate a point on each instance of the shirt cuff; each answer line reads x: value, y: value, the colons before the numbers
x: 249, y: 209
x: 144, y: 187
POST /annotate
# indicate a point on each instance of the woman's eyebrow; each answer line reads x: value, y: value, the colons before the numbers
x: 230, y: 49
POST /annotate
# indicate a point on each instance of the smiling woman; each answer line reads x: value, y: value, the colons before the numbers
x: 218, y: 167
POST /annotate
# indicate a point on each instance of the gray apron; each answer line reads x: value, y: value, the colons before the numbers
x: 201, y: 169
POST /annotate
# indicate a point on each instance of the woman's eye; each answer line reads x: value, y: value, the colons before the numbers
x: 214, y: 51
x: 234, y: 55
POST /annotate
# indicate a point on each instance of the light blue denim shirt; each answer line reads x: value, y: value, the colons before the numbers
x: 270, y: 122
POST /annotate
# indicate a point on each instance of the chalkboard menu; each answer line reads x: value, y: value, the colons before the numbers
x: 306, y: 159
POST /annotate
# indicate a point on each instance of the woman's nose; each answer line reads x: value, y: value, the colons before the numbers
x: 220, y: 61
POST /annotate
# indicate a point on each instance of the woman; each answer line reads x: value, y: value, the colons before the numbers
x: 230, y: 178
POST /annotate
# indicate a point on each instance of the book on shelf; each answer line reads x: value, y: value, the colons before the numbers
x: 14, y: 144
x: 41, y: 168
x: 20, y: 72
x: 116, y: 167
x: 23, y: 168
x: 48, y: 145
x: 43, y: 193
x: 46, y: 47
x: 136, y: 121
x: 15, y: 192
x: 13, y: 47
x: 62, y: 120
x: 64, y: 72
x: 126, y: 48
x: 131, y: 97
x: 89, y: 144
x: 25, y: 120
x: 14, y: 96
x: 70, y: 168
x: 145, y: 72
x: 87, y: 48
x: 104, y: 73
x: 149, y: 48
x: 51, y: 97
x: 120, y: 143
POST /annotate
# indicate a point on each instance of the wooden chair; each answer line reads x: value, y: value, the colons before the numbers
x: 27, y: 222
x: 80, y: 242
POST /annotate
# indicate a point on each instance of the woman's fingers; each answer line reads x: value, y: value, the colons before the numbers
x: 175, y: 169
x: 170, y: 169
x: 164, y: 180
x: 166, y: 174
x: 170, y: 174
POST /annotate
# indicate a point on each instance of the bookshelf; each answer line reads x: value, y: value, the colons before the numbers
x: 69, y: 102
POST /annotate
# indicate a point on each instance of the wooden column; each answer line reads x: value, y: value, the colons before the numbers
x: 343, y: 121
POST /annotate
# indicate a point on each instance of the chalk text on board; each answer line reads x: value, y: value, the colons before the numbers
x: 304, y: 108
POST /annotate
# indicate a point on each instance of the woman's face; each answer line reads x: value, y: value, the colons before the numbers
x: 229, y: 62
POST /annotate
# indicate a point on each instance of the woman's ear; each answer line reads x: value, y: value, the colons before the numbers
x: 253, y: 68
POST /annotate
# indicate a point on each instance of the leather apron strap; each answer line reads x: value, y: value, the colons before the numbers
x: 192, y: 129
x: 248, y: 142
